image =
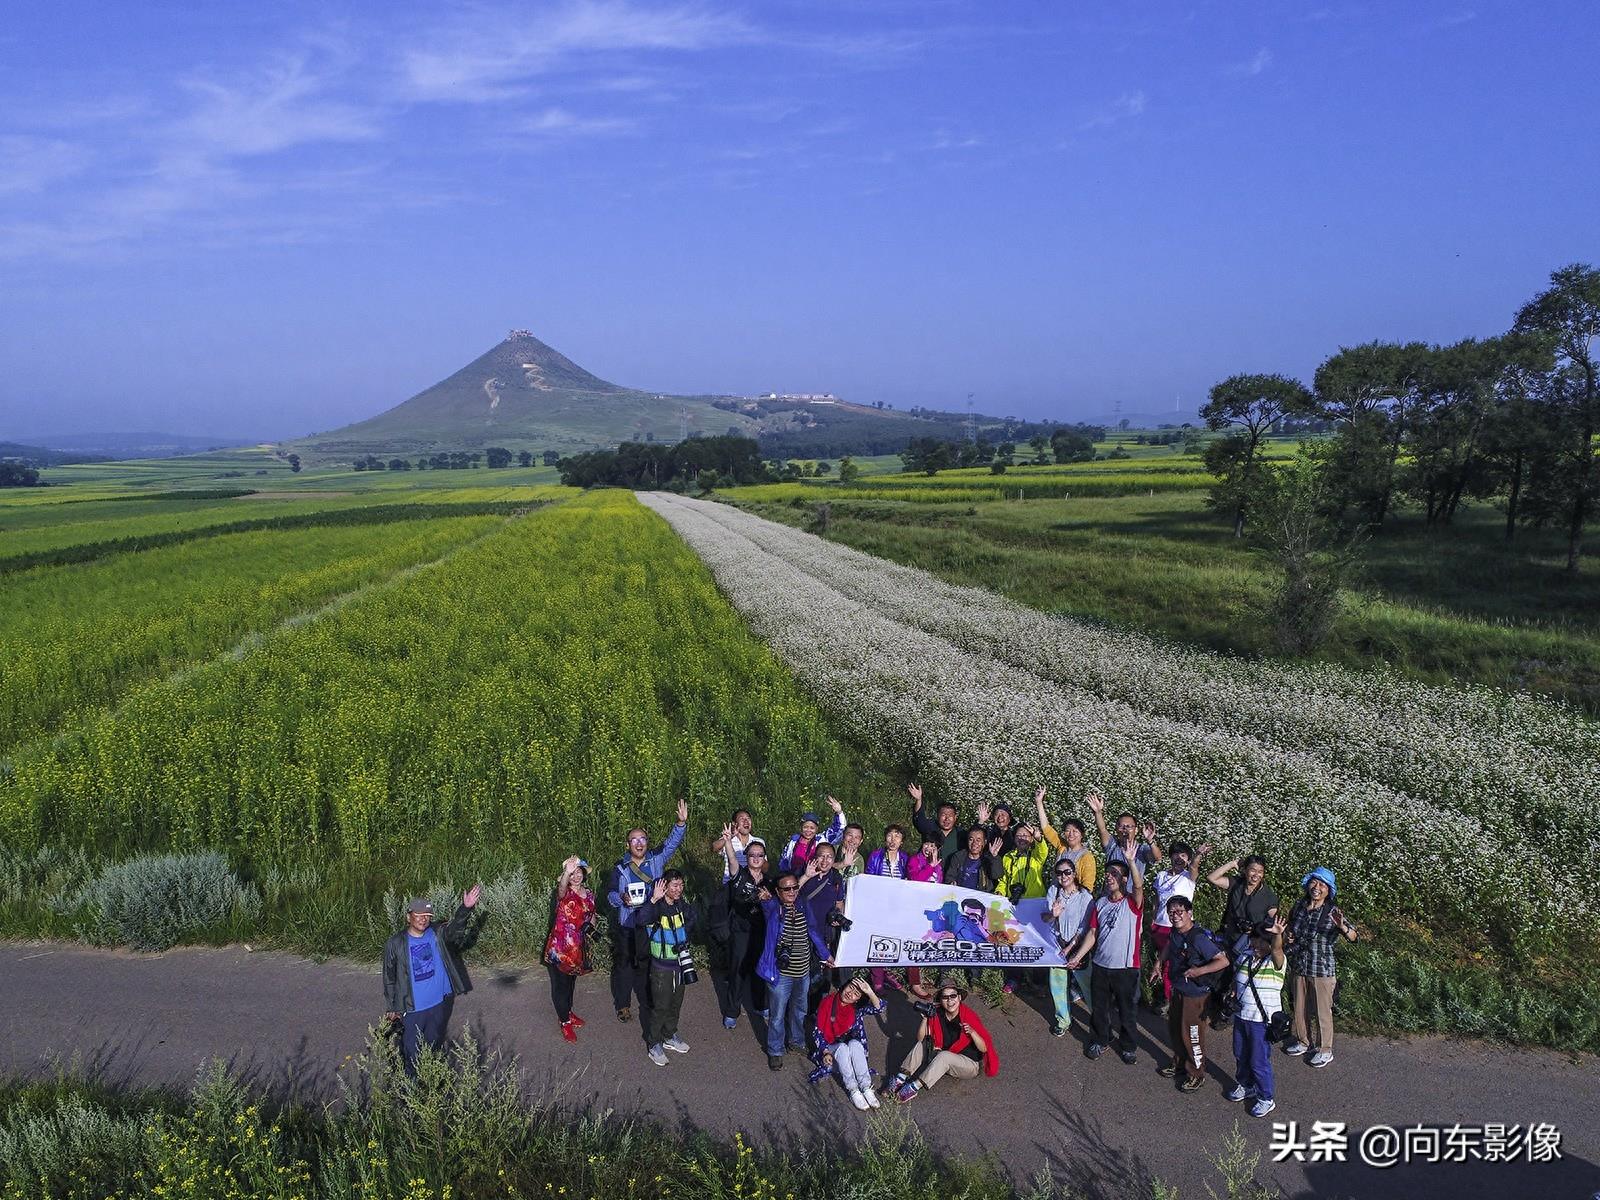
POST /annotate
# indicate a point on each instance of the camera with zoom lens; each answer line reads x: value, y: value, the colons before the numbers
x: 837, y: 920
x: 1017, y: 889
x: 924, y: 1007
x: 686, y: 966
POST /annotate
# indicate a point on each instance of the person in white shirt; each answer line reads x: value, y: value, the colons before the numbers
x: 1176, y: 879
x: 1258, y: 989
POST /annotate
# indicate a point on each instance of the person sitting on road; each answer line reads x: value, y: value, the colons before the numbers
x: 566, y: 950
x: 800, y: 846
x: 1258, y: 992
x: 423, y: 973
x: 631, y: 880
x: 953, y: 1041
x: 839, y: 1039
x: 668, y: 921
x: 1190, y: 957
x: 1315, y: 927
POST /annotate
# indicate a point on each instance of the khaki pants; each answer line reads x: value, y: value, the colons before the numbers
x: 1313, y: 991
x: 944, y: 1063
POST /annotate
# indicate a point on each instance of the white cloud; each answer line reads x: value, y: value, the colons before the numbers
x: 287, y: 104
x: 1123, y: 108
x: 493, y: 56
x: 1257, y: 63
x: 558, y: 122
x: 31, y: 164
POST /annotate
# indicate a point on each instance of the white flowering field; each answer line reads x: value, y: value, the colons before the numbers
x: 1466, y: 803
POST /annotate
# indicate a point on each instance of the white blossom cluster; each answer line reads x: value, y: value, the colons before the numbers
x: 1467, y: 801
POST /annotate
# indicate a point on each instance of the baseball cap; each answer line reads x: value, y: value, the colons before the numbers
x: 419, y: 905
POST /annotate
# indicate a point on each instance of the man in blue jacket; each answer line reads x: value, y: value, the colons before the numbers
x: 631, y: 882
x: 794, y: 946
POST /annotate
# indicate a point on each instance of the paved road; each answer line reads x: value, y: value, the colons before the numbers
x: 288, y: 1023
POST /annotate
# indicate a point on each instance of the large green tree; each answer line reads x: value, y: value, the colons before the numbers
x: 1370, y: 393
x: 1250, y: 405
x: 1567, y: 316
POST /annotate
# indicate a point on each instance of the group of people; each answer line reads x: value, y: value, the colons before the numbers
x: 775, y: 921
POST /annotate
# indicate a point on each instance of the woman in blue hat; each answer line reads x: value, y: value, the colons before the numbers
x: 1315, y: 925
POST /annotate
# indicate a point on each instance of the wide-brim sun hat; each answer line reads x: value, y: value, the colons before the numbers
x: 1323, y: 873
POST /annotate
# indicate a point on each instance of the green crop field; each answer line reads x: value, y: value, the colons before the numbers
x: 354, y: 685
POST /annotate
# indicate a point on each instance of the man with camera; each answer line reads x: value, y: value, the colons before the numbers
x: 1191, y: 956
x: 786, y: 961
x: 631, y: 880
x: 741, y: 987
x: 667, y: 922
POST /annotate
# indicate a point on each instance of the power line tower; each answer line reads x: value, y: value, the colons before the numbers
x: 683, y: 424
x: 972, y: 421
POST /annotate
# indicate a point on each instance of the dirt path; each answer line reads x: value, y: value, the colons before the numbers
x: 289, y: 1023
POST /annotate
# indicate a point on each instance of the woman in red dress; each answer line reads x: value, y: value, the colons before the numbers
x: 566, y: 952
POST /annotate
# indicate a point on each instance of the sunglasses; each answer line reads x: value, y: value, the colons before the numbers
x: 1065, y: 872
x: 788, y: 887
x: 951, y: 996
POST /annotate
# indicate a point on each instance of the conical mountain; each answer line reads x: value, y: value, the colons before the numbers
x: 522, y: 394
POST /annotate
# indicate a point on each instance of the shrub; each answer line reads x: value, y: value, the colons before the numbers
x: 153, y: 902
x: 52, y: 876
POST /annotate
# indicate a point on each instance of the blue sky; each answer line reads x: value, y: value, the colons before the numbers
x: 270, y: 219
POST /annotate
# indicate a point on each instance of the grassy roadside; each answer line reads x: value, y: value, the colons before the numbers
x: 470, y: 1127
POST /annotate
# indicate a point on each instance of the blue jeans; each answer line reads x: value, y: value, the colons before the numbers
x: 786, y: 1012
x: 1254, y: 1056
x: 426, y: 1028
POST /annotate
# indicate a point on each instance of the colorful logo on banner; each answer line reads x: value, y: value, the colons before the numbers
x: 897, y: 922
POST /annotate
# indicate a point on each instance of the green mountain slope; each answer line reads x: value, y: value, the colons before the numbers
x: 522, y: 394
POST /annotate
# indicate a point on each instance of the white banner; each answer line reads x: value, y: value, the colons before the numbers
x: 898, y: 923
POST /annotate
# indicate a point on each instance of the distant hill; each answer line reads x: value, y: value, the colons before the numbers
x: 524, y: 395
x: 44, y: 456
x: 134, y: 445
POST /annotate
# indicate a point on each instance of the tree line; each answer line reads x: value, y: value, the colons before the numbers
x: 1065, y: 444
x: 1512, y: 418
x: 496, y: 457
x: 724, y: 460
